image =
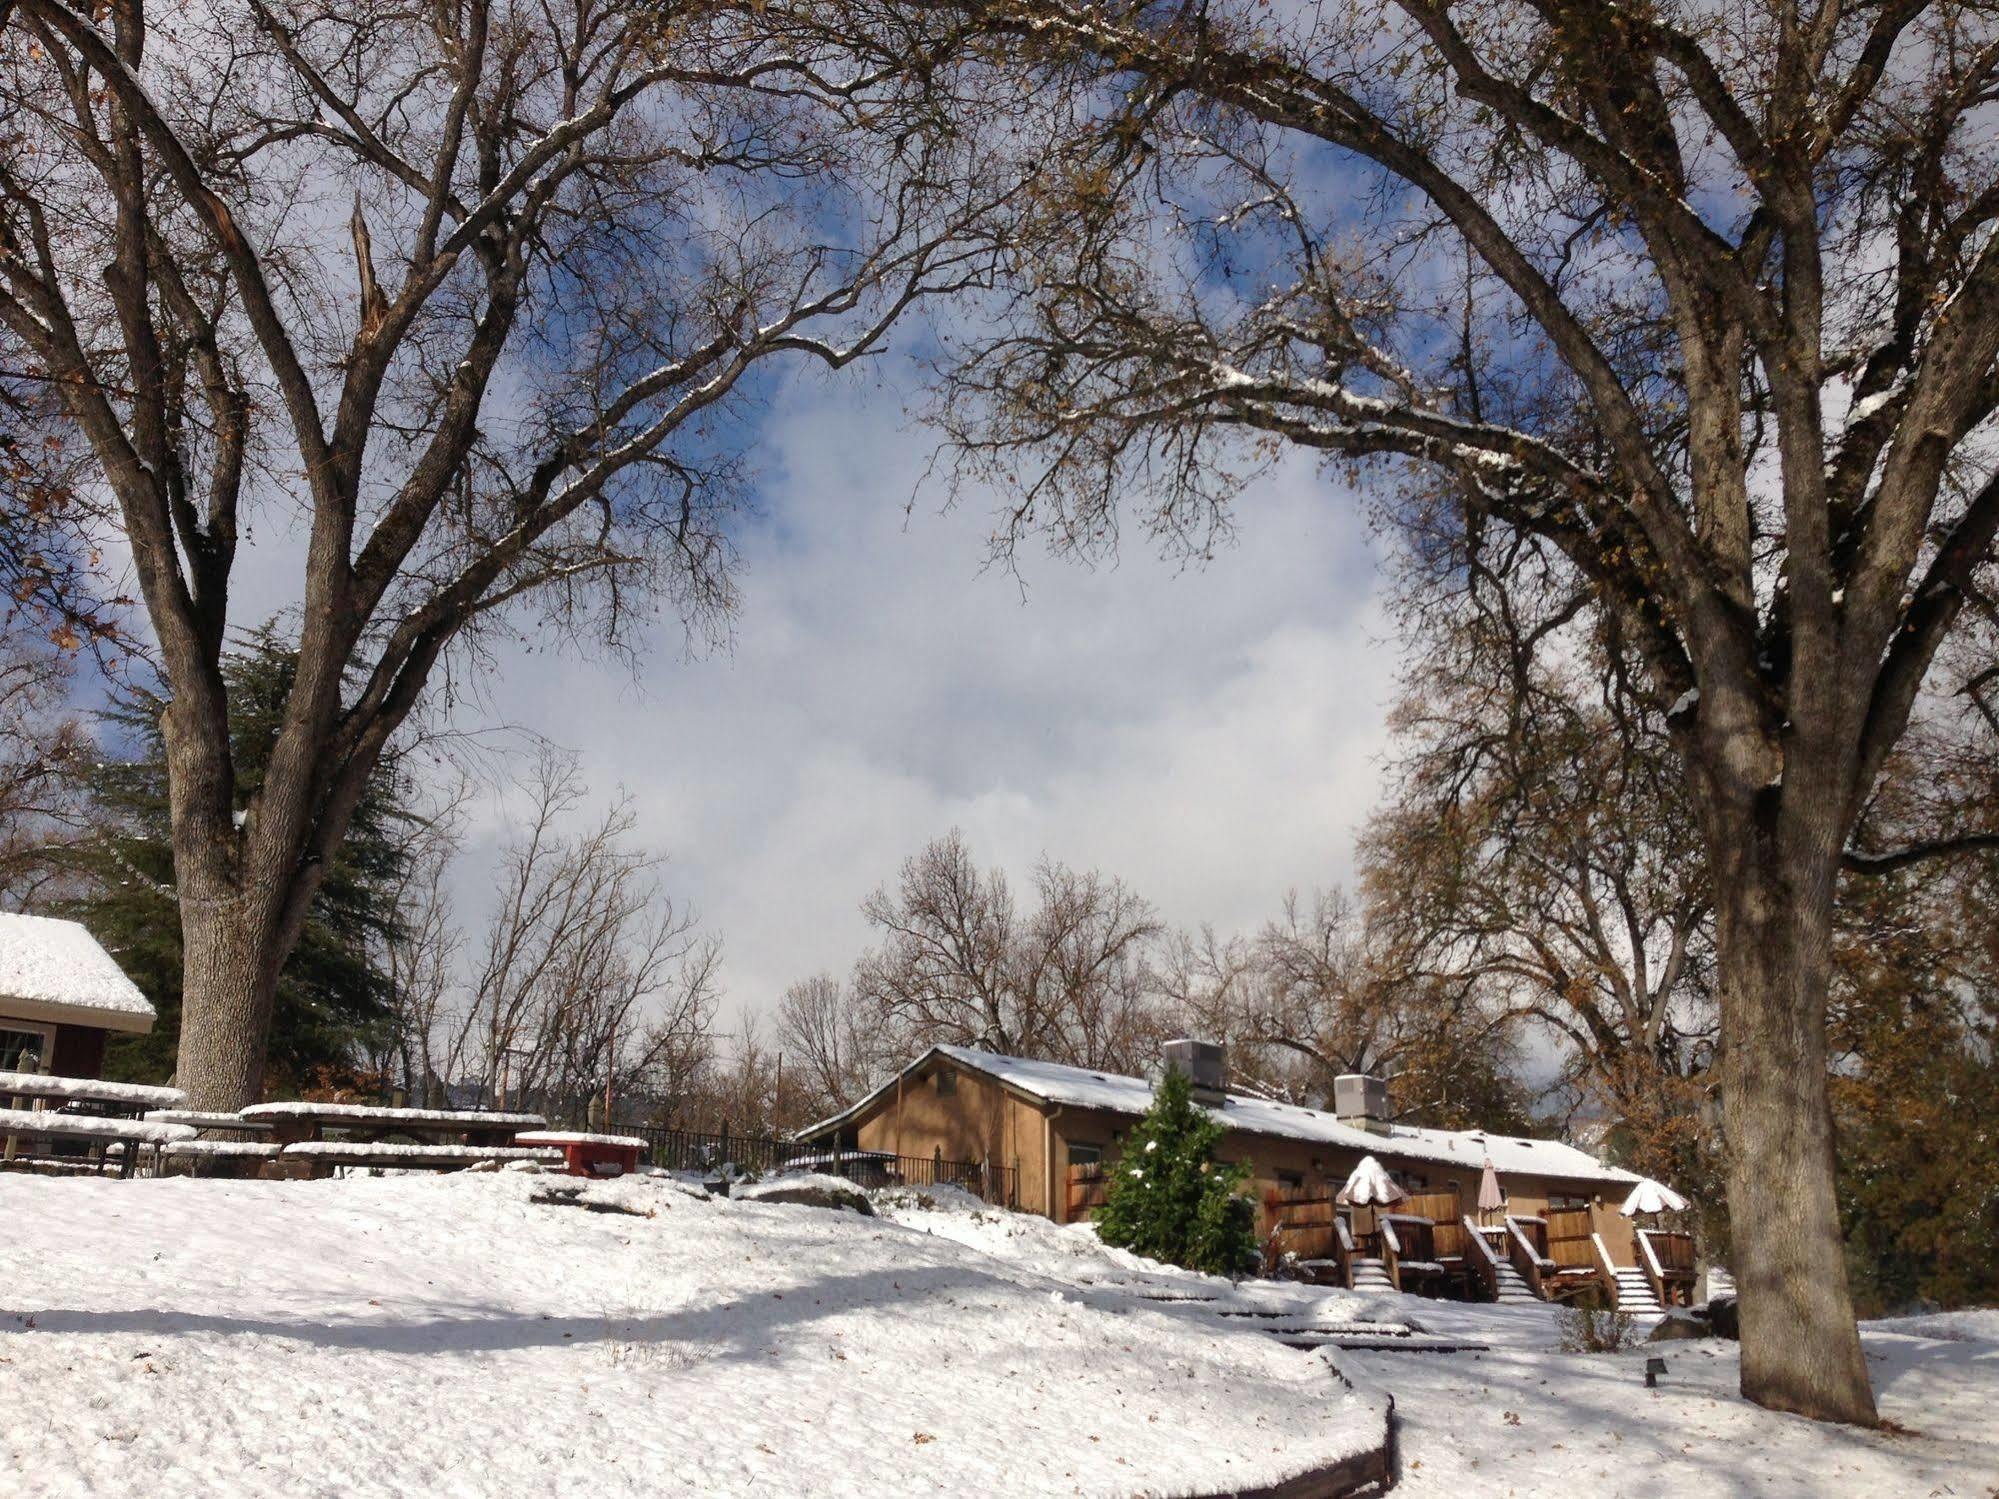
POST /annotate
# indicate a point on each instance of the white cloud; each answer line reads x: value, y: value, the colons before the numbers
x: 1209, y: 735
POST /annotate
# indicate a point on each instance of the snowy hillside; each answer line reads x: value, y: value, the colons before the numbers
x: 455, y: 1337
x: 452, y: 1336
x: 1523, y: 1420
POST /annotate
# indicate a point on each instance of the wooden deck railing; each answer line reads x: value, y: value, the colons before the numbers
x: 1569, y: 1233
x: 1606, y: 1270
x: 1480, y: 1259
x: 1406, y: 1242
x: 1344, y: 1250
x: 1527, y: 1247
x: 1667, y: 1256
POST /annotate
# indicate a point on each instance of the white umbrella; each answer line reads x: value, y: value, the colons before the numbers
x: 1651, y: 1197
x: 1490, y: 1198
x: 1370, y: 1183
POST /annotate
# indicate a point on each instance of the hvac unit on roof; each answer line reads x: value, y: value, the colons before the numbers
x: 1362, y: 1100
x: 1206, y: 1065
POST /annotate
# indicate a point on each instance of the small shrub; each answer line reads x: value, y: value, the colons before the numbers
x: 1591, y: 1327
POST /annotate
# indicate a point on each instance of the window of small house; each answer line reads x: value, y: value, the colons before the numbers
x: 1084, y: 1153
x: 947, y: 1080
x: 17, y: 1046
x: 1290, y: 1180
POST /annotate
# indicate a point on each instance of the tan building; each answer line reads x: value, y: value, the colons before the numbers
x: 61, y: 996
x: 1052, y: 1129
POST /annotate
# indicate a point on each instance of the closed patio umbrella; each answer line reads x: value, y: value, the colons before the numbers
x: 1490, y: 1198
x: 1370, y: 1184
x: 1652, y: 1197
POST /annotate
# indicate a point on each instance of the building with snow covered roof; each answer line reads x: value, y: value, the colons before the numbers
x: 61, y: 996
x: 1057, y: 1128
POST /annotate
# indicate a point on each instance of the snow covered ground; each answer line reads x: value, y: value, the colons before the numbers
x: 1525, y: 1419
x: 451, y: 1336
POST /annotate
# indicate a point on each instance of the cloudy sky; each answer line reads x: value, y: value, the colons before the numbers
x: 1212, y: 736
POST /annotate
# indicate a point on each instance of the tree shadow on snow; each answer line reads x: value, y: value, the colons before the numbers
x: 746, y: 1326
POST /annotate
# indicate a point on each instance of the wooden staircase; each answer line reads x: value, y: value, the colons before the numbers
x: 1369, y: 1274
x: 1513, y: 1289
x: 1634, y: 1293
x: 1495, y: 1271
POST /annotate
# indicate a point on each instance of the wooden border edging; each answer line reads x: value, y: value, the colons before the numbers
x: 1370, y: 1472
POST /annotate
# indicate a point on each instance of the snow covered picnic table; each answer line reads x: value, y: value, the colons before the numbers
x: 294, y: 1122
x: 373, y: 1135
x: 122, y: 1134
x: 58, y: 1118
x: 589, y: 1154
x: 323, y: 1157
x: 202, y: 1119
x: 131, y: 1096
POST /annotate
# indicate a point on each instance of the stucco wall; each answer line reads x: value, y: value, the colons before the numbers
x: 978, y: 1121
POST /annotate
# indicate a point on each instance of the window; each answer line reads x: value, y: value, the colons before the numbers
x: 1084, y: 1153
x: 17, y: 1044
x: 947, y: 1081
x: 1290, y: 1181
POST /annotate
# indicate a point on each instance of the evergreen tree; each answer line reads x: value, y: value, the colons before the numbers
x: 1168, y: 1197
x: 331, y: 997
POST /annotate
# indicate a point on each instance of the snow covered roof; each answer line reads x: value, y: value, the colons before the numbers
x: 55, y: 970
x: 1078, y: 1087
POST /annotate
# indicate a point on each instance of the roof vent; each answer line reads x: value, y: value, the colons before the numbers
x: 1206, y: 1065
x: 1360, y: 1099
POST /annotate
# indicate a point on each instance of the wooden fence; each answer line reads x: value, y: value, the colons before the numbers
x: 1569, y: 1234
x: 1444, y: 1210
x: 1300, y: 1222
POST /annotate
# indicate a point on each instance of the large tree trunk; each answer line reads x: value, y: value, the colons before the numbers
x: 228, y: 989
x: 1800, y: 1346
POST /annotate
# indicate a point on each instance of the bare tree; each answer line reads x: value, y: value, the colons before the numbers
x: 418, y: 958
x: 673, y: 1050
x: 834, y: 1049
x: 467, y: 289
x: 743, y: 1092
x: 44, y: 750
x: 52, y: 577
x: 958, y: 963
x: 1696, y: 308
x: 1538, y: 843
x: 587, y: 974
x: 1319, y: 992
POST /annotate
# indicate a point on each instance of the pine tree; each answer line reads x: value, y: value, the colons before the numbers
x: 1170, y: 1200
x: 331, y: 996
